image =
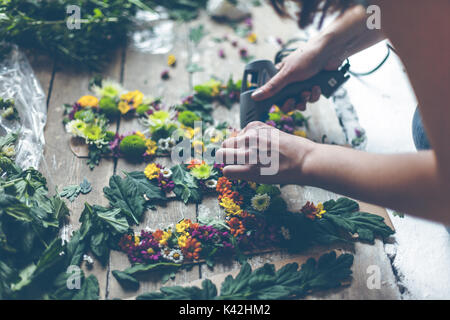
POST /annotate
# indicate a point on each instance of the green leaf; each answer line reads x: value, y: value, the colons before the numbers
x: 89, y: 289
x: 85, y: 186
x: 70, y: 192
x: 145, y: 186
x: 267, y: 284
x: 160, y: 267
x: 60, y: 209
x: 124, y: 194
x: 194, y: 67
x: 196, y: 34
x: 113, y: 219
x: 125, y: 280
x: 366, y: 225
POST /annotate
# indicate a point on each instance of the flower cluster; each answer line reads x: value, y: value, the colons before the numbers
x: 292, y: 122
x: 186, y: 242
x: 312, y: 212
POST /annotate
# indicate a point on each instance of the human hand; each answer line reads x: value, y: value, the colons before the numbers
x: 305, y: 62
x: 246, y: 155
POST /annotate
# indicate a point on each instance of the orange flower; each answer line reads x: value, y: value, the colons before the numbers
x: 157, y: 235
x: 192, y: 249
x: 223, y: 184
x: 236, y: 226
x: 195, y: 163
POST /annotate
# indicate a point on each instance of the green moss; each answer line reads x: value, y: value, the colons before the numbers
x: 188, y: 118
x: 270, y: 190
x: 109, y: 135
x: 132, y: 147
x: 109, y: 107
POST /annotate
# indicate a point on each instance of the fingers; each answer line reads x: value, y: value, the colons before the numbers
x: 244, y: 172
x: 315, y: 94
x: 272, y: 87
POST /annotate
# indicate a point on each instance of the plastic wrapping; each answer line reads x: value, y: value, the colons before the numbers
x: 153, y: 32
x: 18, y: 82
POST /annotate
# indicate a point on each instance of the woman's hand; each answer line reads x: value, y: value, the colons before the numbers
x: 308, y: 60
x: 264, y: 154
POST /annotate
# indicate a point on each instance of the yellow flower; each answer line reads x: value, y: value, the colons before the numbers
x: 171, y: 60
x: 150, y: 251
x: 140, y: 134
x: 152, y: 171
x: 151, y: 147
x: 231, y: 208
x: 182, y: 241
x: 133, y: 98
x: 137, y: 240
x: 300, y: 133
x: 320, y: 211
x: 123, y: 107
x: 276, y: 109
x: 252, y: 185
x: 198, y: 146
x: 88, y: 101
x: 165, y: 237
x: 182, y: 225
x: 252, y: 37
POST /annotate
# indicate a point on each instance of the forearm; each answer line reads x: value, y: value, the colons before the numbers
x: 348, y: 34
x: 410, y: 183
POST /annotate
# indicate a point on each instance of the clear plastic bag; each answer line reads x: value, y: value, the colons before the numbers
x: 18, y: 82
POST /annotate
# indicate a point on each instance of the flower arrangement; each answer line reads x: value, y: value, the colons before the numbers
x: 292, y: 122
x: 88, y: 119
x: 255, y: 219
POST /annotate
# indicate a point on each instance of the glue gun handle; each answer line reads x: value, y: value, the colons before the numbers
x: 328, y: 81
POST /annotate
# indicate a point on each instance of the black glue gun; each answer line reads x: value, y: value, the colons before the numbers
x: 259, y: 72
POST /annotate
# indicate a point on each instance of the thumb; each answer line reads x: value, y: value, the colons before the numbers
x: 271, y: 88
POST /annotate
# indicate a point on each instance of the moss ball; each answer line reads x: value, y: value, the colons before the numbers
x: 132, y: 147
x: 110, y: 135
x: 109, y: 107
x: 188, y: 118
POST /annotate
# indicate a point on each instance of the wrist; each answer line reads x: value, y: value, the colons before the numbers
x: 310, y: 165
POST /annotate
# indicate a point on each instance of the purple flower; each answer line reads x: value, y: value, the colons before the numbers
x: 243, y: 53
x: 271, y: 123
x: 288, y: 129
x: 114, y: 145
x: 165, y: 75
x: 222, y: 53
x: 248, y: 22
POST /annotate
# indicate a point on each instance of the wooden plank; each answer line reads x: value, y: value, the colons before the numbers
x: 59, y: 165
x: 142, y: 72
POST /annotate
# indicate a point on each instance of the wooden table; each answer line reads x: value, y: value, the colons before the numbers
x: 141, y: 71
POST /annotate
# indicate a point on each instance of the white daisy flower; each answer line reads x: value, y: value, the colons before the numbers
x: 261, y: 202
x: 285, y: 233
x: 211, y: 183
x: 75, y: 128
x: 166, y: 173
x: 166, y: 144
x: 109, y: 88
x: 176, y: 256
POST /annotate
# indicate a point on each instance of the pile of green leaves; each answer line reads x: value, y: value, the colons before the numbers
x: 342, y: 222
x: 105, y: 25
x: 33, y: 260
x: 266, y: 283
